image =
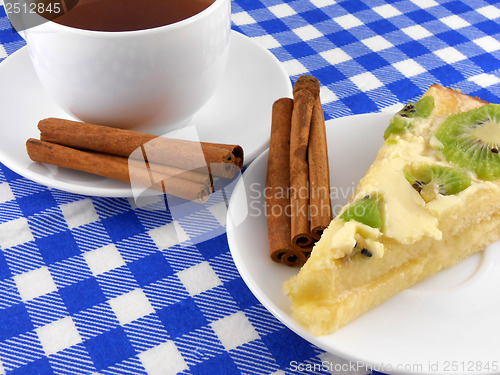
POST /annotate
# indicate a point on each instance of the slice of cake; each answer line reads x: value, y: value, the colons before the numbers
x: 430, y: 199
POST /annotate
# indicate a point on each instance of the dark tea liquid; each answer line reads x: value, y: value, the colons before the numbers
x: 128, y: 15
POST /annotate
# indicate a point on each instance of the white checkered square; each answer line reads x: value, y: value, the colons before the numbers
x: 455, y: 22
x: 327, y: 95
x: 366, y: 81
x: 103, y: 259
x: 377, y: 43
x: 322, y: 3
x: 485, y: 80
x: 168, y: 235
x: 424, y: 4
x: 3, y: 52
x: 348, y: 21
x: 282, y: 10
x: 335, y: 56
x: 242, y: 18
x: 294, y: 67
x: 450, y: 55
x: 488, y: 43
x: 199, y: 278
x: 15, y: 232
x: 234, y: 330
x: 387, y: 11
x: 307, y: 32
x: 79, y: 213
x: 163, y: 359
x: 36, y: 283
x: 2, y: 370
x: 490, y: 11
x: 219, y: 211
x: 267, y: 41
x: 58, y: 335
x: 5, y: 190
x: 131, y: 306
x: 417, y: 32
x: 409, y: 68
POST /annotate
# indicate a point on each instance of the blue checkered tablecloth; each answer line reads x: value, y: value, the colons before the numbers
x: 98, y: 285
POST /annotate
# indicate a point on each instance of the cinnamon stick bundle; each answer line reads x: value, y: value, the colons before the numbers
x: 222, y: 160
x: 298, y: 160
x: 277, y: 187
x: 189, y: 186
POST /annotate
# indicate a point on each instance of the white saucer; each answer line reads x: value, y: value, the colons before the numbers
x: 238, y: 113
x: 447, y: 324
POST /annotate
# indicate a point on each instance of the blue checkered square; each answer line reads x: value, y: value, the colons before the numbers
x: 413, y: 49
x: 382, y: 26
x: 150, y: 269
x: 181, y: 317
x: 14, y: 320
x: 57, y: 247
x: 341, y: 38
x: 488, y: 27
x: 213, y: 247
x: 82, y: 295
x: 109, y: 348
x: 122, y: 226
x: 420, y: 16
x: 300, y: 351
x: 452, y: 38
x: 457, y: 7
x: 360, y: 103
x: 404, y: 89
x: 447, y: 75
x: 241, y: 294
x: 487, y: 62
x: 32, y: 204
x: 371, y: 61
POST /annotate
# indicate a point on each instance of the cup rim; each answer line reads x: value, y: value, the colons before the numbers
x: 176, y: 25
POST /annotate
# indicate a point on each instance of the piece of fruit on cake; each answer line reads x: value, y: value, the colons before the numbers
x: 430, y: 199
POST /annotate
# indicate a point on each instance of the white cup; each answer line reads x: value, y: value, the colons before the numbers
x: 147, y: 79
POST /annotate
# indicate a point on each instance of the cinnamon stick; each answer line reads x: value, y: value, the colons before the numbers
x: 277, y: 187
x: 117, y: 168
x: 319, y: 174
x: 307, y: 83
x: 183, y: 154
x: 299, y: 168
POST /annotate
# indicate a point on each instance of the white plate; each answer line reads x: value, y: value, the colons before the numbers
x: 447, y: 323
x: 238, y: 113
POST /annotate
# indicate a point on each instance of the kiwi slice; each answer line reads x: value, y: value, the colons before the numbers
x: 402, y: 121
x: 431, y: 180
x: 472, y: 140
x: 364, y: 211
